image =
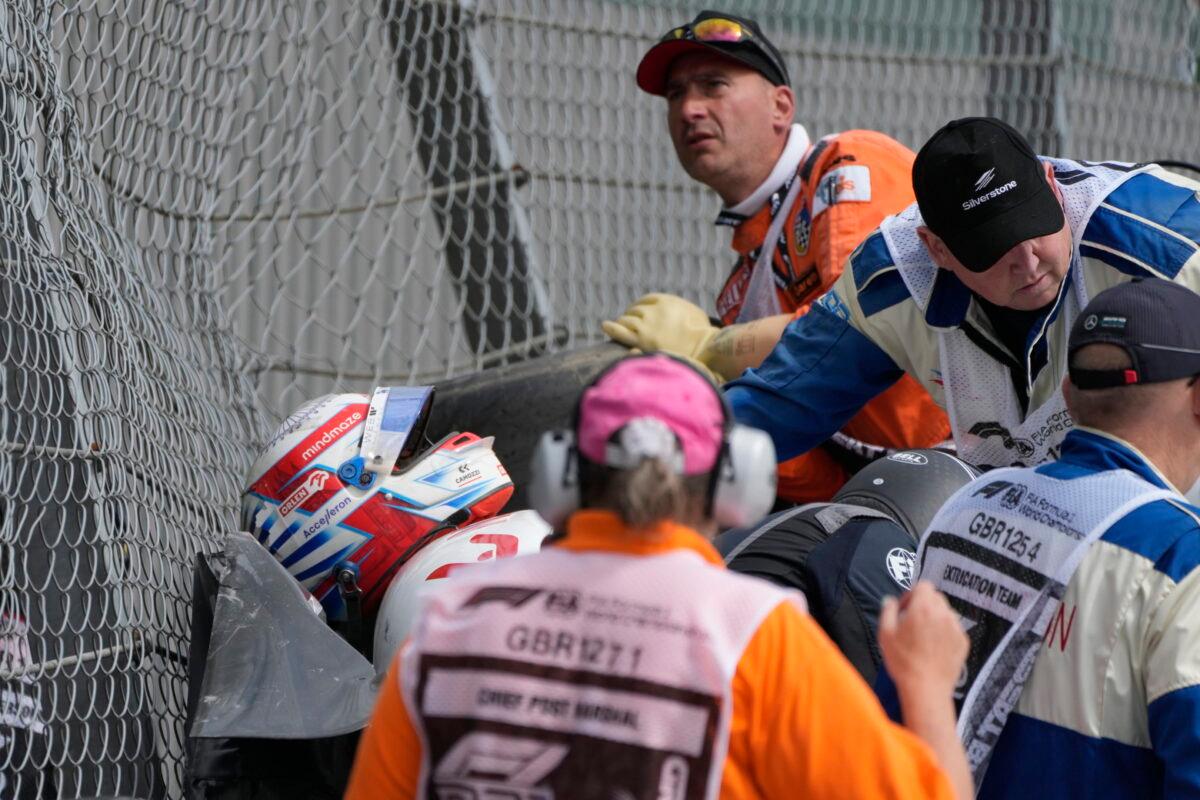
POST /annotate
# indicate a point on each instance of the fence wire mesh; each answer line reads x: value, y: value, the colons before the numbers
x: 212, y: 211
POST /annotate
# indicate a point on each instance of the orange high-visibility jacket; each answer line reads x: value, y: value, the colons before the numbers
x: 698, y: 682
x: 850, y: 182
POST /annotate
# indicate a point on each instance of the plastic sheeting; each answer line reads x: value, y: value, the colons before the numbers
x: 271, y: 688
x: 274, y: 669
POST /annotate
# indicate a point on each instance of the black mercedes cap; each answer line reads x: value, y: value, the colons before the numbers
x: 982, y: 190
x: 731, y: 36
x: 1156, y: 322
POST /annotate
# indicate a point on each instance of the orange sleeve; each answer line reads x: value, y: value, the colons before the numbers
x: 843, y: 225
x: 904, y: 415
x: 805, y: 723
x: 388, y: 762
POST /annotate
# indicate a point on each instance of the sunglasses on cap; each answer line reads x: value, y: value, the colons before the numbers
x: 738, y: 39
x: 714, y: 29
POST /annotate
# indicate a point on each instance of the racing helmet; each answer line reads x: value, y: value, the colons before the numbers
x: 507, y: 535
x: 908, y: 485
x: 346, y: 484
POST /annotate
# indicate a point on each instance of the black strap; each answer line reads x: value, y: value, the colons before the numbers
x: 1016, y: 369
x: 811, y: 161
x: 1174, y: 164
x: 1103, y: 378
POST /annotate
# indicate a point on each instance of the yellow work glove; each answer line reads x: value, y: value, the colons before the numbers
x: 663, y: 322
x: 668, y: 323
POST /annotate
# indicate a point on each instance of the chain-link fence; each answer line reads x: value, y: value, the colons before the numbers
x: 211, y: 211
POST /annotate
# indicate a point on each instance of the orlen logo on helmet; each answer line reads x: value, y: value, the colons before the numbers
x: 314, y: 483
x: 329, y: 437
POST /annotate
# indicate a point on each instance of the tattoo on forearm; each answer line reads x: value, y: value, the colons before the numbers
x: 725, y: 342
x: 746, y: 343
x: 737, y: 340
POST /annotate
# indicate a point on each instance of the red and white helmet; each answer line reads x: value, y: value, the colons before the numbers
x: 342, y: 483
x: 507, y: 535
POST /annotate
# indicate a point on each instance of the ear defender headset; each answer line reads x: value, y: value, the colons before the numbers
x: 742, y: 486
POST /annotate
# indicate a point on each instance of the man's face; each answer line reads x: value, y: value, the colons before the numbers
x: 726, y: 122
x: 1025, y: 278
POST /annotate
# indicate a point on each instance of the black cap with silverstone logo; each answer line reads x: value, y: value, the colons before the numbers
x: 1152, y: 320
x: 982, y: 190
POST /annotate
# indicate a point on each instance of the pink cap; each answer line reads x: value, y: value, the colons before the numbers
x: 655, y: 387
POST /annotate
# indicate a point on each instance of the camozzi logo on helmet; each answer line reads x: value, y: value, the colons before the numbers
x: 331, y: 435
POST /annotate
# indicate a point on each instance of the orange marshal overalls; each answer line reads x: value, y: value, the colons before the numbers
x: 851, y: 181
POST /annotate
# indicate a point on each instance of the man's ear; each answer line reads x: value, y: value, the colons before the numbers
x: 784, y: 113
x: 936, y: 247
x: 1196, y: 398
x: 1048, y: 170
x: 1068, y: 398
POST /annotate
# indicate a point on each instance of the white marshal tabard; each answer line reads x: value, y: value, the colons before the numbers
x: 1003, y: 550
x: 529, y: 674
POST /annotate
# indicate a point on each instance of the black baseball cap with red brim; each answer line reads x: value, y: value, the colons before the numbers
x: 733, y: 37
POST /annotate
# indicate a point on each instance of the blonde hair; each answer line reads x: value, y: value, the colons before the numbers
x: 646, y: 494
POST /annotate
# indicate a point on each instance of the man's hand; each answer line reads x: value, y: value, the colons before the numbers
x: 670, y: 323
x: 663, y: 322
x: 923, y: 643
x: 924, y: 648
